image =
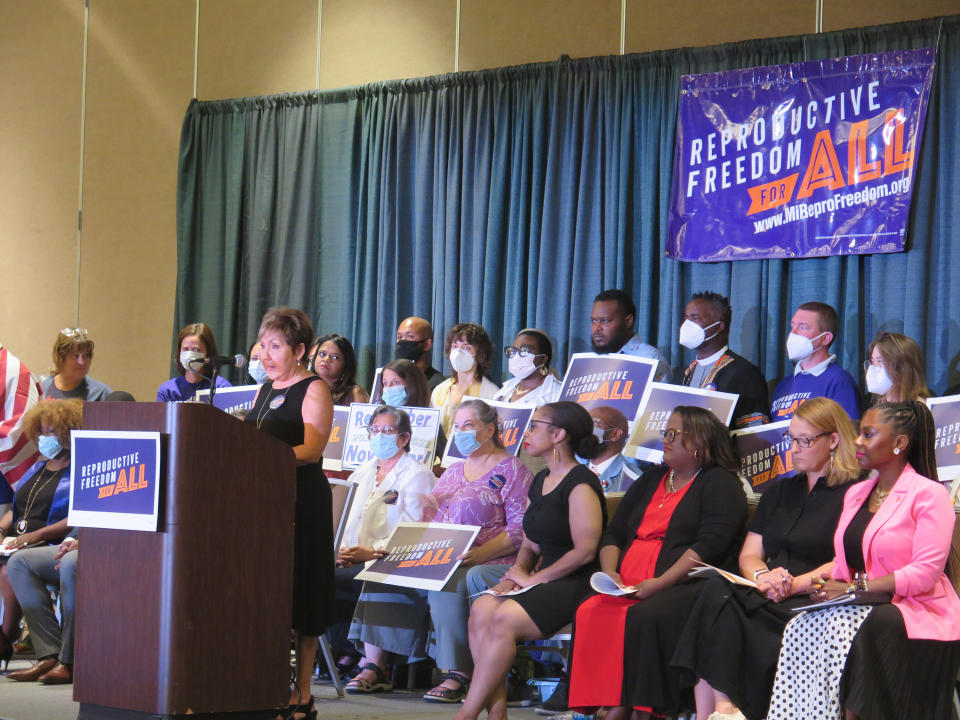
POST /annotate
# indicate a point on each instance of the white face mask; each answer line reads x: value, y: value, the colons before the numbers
x: 800, y: 347
x: 521, y: 367
x: 461, y: 360
x: 192, y: 360
x: 878, y: 382
x: 693, y: 336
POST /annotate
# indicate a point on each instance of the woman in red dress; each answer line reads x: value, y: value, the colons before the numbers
x: 689, y: 510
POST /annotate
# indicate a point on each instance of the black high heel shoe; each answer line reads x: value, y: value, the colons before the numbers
x: 6, y: 652
x: 305, y: 711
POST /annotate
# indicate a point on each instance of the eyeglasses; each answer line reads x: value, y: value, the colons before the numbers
x: 381, y: 430
x: 542, y: 422
x: 597, y: 423
x: 523, y: 351
x: 70, y: 332
x: 867, y: 364
x: 669, y: 435
x: 803, y: 442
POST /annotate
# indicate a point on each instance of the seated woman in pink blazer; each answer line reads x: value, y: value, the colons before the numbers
x: 893, y: 536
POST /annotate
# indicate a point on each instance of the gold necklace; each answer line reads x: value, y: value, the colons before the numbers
x: 670, y: 489
x: 32, y: 498
x: 881, y: 495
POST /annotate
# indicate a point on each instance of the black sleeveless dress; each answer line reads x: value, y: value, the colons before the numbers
x: 313, y: 560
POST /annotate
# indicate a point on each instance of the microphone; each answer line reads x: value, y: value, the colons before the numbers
x: 237, y: 361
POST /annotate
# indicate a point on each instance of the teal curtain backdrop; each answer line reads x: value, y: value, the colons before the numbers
x: 510, y: 197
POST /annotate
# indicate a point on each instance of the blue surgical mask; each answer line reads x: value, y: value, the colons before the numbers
x: 383, y: 446
x: 466, y: 441
x: 49, y: 446
x: 582, y: 461
x: 257, y: 372
x: 395, y: 395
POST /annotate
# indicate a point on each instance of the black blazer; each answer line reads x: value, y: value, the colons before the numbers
x: 709, y: 519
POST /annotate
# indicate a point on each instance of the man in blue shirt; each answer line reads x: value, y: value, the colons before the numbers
x: 611, y: 331
x: 813, y: 329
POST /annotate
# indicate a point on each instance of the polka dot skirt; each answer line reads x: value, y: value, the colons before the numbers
x: 812, y: 658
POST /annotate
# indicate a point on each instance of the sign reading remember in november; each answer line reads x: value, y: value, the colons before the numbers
x: 617, y: 381
x: 513, y: 420
x: 645, y: 442
x: 764, y: 454
x: 114, y: 479
x: 425, y: 423
x: 946, y: 423
x: 421, y: 555
x: 799, y: 160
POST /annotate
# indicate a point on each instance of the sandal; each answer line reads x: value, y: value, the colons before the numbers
x: 360, y: 685
x: 449, y: 695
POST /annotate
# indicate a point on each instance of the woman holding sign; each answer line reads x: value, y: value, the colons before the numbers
x: 732, y: 638
x: 38, y: 515
x: 688, y: 510
x: 295, y: 406
x: 562, y: 529
x: 487, y: 490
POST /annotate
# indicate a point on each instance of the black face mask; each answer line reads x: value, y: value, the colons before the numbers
x: 410, y: 349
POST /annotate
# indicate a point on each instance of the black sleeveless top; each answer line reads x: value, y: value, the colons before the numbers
x: 546, y: 521
x: 279, y: 411
x: 853, y: 537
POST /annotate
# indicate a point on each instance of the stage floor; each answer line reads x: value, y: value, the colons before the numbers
x: 32, y: 701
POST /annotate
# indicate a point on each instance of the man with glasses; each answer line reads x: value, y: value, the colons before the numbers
x: 611, y: 331
x: 813, y: 329
x: 72, y: 357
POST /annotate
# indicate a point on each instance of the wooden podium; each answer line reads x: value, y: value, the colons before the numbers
x: 193, y: 619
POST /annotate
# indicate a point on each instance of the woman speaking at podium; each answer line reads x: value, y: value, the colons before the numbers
x: 295, y: 406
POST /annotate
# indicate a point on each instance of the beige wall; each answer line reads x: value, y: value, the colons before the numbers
x: 117, y: 277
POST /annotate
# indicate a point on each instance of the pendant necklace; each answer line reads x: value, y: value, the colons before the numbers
x: 32, y: 498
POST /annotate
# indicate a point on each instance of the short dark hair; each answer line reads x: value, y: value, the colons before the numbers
x: 202, y: 331
x: 418, y: 389
x: 543, y: 343
x: 827, y: 317
x: 292, y: 324
x: 719, y: 303
x: 476, y: 336
x: 621, y: 298
x: 710, y: 436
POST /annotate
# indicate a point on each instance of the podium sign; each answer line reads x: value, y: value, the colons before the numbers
x: 114, y: 479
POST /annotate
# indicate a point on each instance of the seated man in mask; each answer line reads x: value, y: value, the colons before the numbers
x: 414, y: 343
x: 615, y: 471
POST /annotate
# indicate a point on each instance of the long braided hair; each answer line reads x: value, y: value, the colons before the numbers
x: 913, y: 419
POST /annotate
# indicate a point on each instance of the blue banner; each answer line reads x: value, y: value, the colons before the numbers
x: 114, y: 479
x: 617, y: 381
x: 800, y: 160
x: 231, y: 399
x: 946, y: 421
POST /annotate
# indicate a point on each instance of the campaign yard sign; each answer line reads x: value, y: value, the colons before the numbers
x: 764, y: 454
x: 421, y: 555
x: 338, y: 431
x: 230, y: 399
x: 798, y: 160
x: 645, y: 442
x: 114, y: 479
x: 617, y: 381
x: 425, y: 423
x: 513, y: 424
x: 946, y: 422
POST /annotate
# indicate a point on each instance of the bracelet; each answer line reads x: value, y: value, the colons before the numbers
x: 860, y: 580
x: 758, y: 573
x: 851, y: 588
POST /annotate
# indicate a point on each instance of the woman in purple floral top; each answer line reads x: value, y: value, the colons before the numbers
x: 489, y: 489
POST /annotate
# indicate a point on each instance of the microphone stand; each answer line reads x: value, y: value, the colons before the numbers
x: 213, y: 382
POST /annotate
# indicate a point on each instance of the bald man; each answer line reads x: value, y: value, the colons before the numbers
x: 615, y: 471
x: 414, y: 343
